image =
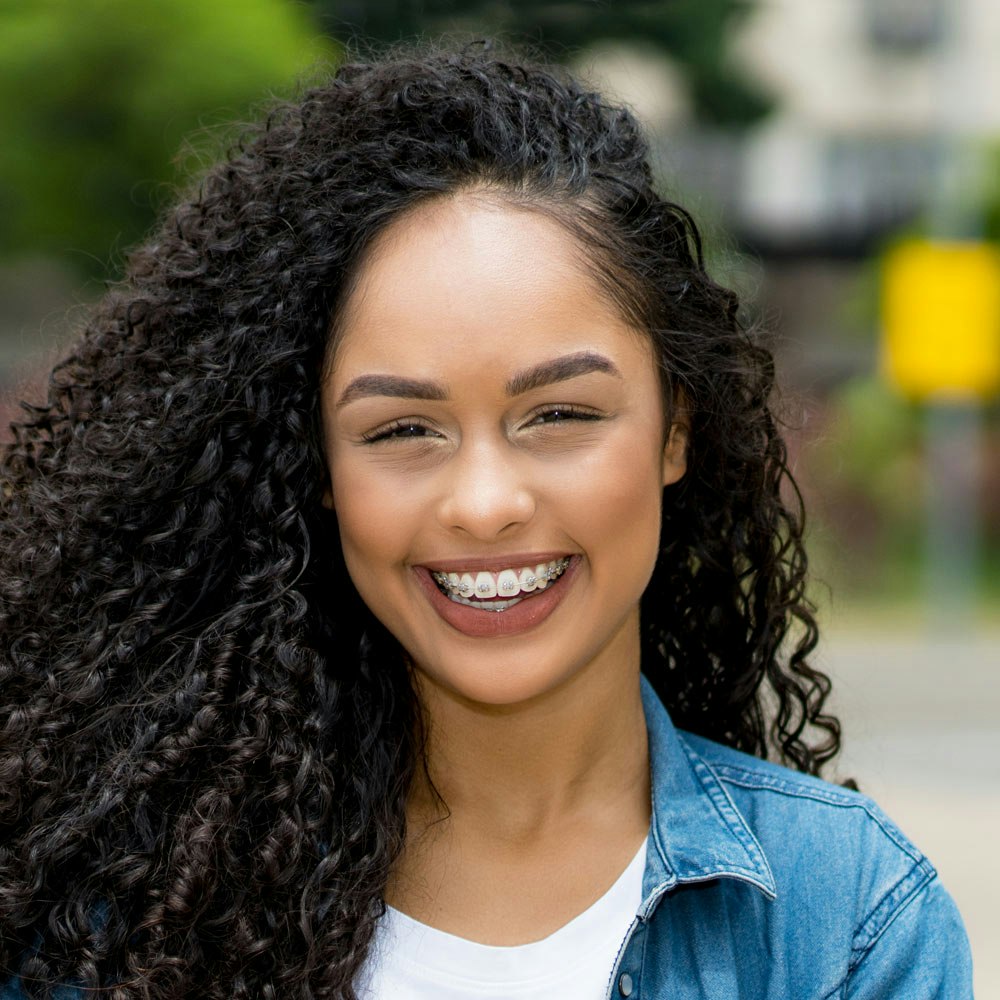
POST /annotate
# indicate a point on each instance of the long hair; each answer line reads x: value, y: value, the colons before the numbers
x: 206, y: 740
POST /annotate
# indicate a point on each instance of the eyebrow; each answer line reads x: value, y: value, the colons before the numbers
x: 391, y: 385
x: 559, y: 370
x: 547, y: 373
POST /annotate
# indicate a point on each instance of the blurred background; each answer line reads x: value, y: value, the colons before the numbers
x: 842, y: 157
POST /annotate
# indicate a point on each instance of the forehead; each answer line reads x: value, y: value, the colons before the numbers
x: 470, y: 281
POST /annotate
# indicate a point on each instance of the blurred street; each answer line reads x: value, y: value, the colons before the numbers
x: 921, y: 717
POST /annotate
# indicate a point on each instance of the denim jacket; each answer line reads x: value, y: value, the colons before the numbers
x: 765, y: 884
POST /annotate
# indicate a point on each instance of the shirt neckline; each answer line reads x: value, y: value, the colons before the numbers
x: 423, y: 946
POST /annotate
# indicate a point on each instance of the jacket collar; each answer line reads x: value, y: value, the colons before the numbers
x: 697, y: 833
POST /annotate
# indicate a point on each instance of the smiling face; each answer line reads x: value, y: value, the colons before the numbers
x: 495, y: 436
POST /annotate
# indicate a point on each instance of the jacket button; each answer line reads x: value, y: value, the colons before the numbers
x: 625, y: 984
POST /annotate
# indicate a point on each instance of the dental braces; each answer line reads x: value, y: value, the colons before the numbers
x: 465, y: 589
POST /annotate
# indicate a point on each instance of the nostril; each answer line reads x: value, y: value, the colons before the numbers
x: 487, y: 511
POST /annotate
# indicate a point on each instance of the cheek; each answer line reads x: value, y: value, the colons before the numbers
x: 372, y: 522
x: 614, y: 501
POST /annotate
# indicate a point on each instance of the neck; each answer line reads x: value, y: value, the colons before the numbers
x: 575, y: 757
x: 527, y: 813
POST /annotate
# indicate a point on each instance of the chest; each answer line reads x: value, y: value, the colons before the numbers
x: 718, y: 941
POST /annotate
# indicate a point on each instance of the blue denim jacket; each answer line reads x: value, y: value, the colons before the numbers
x: 765, y: 884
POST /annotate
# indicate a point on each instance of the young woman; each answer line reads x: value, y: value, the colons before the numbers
x: 385, y: 522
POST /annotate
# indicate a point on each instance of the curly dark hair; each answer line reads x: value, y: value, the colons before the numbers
x: 206, y: 739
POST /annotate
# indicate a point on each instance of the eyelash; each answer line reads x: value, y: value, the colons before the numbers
x: 565, y: 412
x: 399, y: 430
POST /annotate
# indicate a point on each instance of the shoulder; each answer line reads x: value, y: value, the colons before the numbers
x: 800, y: 820
x: 765, y: 787
x: 787, y: 885
x: 836, y: 855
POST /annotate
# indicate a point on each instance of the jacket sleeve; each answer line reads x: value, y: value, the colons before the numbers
x: 11, y: 989
x: 922, y: 954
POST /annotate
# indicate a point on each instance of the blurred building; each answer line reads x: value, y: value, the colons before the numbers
x: 873, y: 97
x: 885, y: 120
x: 883, y: 113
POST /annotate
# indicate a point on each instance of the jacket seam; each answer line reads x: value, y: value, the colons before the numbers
x: 637, y: 922
x: 751, y: 780
x: 895, y: 901
x: 642, y: 960
x: 891, y: 903
x: 660, y: 846
x: 903, y: 905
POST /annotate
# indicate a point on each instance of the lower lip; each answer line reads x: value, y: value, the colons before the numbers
x: 526, y: 614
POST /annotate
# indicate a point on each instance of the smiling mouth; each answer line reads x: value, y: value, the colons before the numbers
x: 488, y: 591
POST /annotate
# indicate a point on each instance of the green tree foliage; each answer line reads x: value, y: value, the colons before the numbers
x: 692, y: 32
x: 97, y: 95
x: 991, y: 194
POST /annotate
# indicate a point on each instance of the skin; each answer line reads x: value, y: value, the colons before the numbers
x: 536, y: 740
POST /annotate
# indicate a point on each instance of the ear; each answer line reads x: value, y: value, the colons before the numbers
x: 327, y: 499
x: 675, y: 453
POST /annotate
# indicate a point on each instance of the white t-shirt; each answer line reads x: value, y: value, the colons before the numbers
x: 411, y: 961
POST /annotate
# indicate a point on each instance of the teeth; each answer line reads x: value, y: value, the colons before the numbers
x: 487, y: 605
x: 469, y: 588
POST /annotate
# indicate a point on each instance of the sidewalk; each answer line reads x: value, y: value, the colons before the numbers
x: 921, y: 719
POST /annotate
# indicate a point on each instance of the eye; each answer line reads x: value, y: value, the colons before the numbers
x: 561, y: 414
x: 398, y: 430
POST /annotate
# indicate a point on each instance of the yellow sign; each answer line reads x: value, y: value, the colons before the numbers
x: 941, y: 320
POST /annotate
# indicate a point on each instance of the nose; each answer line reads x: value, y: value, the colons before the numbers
x: 487, y: 492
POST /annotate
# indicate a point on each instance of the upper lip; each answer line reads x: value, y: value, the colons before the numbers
x: 492, y: 564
